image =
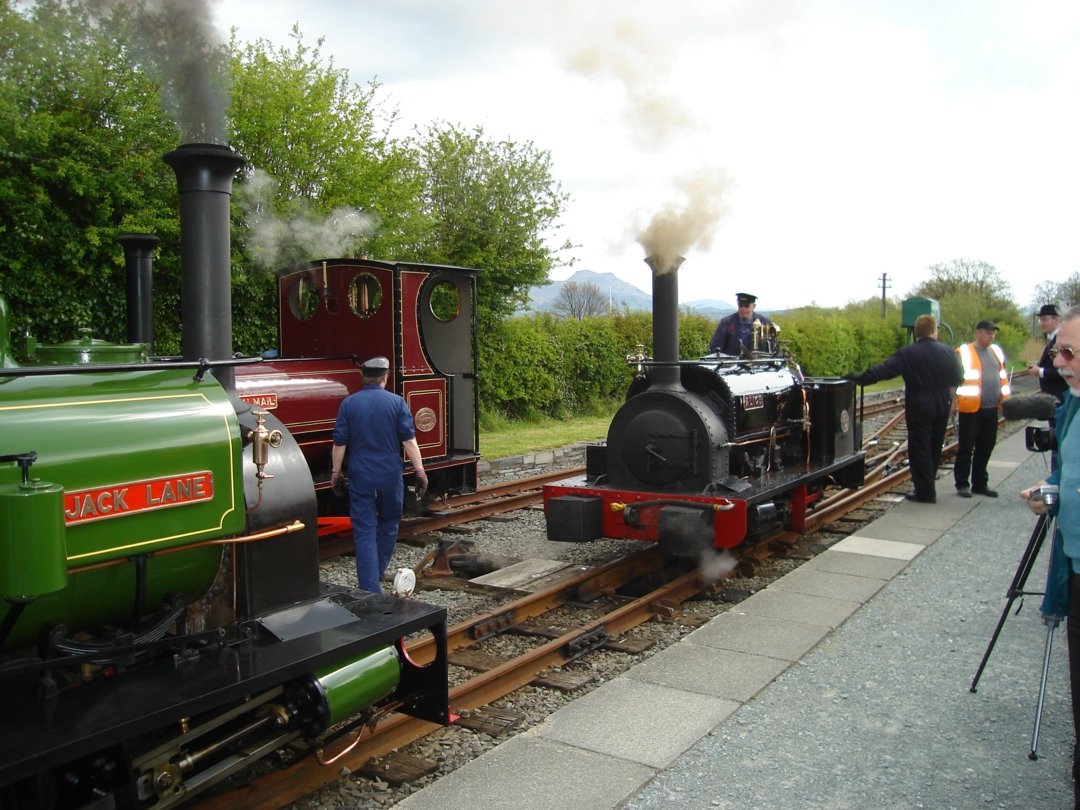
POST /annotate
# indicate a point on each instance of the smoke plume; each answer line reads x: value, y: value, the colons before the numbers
x: 179, y: 46
x: 656, y: 121
x: 639, y: 63
x: 690, y: 223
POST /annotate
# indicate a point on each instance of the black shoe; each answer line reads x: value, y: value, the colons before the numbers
x: 963, y: 492
x: 989, y: 493
x: 912, y: 497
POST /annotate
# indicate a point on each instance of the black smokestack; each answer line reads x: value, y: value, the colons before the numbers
x: 665, y: 302
x: 204, y: 176
x: 139, y: 261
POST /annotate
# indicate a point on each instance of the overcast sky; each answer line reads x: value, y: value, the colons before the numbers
x: 804, y: 148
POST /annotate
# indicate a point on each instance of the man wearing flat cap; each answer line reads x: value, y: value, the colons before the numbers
x: 978, y: 398
x: 372, y: 425
x: 1050, y: 379
x: 735, y: 333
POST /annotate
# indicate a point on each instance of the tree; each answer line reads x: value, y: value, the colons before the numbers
x: 1064, y: 293
x: 968, y: 292
x: 81, y: 139
x: 324, y: 177
x: 489, y: 205
x: 580, y: 301
x: 965, y: 276
x: 324, y: 143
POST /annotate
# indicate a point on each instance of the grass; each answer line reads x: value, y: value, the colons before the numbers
x: 518, y: 438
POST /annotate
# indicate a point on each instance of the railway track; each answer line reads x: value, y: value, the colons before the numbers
x: 520, y: 493
x: 582, y: 611
x: 456, y: 510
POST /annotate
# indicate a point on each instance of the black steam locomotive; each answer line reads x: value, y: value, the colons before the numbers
x: 711, y: 453
x: 163, y: 624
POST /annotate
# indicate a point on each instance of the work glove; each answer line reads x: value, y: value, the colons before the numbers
x: 339, y: 484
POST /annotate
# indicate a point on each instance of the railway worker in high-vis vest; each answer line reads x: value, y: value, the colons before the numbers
x: 372, y: 425
x: 978, y: 399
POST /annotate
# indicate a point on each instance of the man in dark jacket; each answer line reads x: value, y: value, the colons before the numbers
x: 931, y: 373
x: 1050, y: 379
x: 734, y: 334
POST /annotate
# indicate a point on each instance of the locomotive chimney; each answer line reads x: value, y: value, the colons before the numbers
x: 204, y: 175
x: 139, y: 261
x: 665, y: 301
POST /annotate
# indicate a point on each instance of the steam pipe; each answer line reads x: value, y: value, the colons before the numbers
x: 665, y: 301
x: 139, y: 260
x: 204, y: 175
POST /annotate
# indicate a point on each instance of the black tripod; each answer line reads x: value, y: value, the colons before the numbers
x: 1016, y: 589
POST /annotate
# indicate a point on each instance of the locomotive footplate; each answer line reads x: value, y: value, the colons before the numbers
x: 40, y: 733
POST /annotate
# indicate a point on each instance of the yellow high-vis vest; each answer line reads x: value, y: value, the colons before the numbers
x: 969, y: 394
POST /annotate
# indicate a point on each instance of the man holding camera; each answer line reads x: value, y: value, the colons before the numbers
x: 978, y: 398
x: 1063, y: 580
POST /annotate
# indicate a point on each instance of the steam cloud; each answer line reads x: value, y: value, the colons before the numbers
x: 274, y: 242
x: 715, y: 565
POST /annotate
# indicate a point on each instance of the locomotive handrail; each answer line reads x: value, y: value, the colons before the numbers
x: 267, y: 534
x: 160, y: 365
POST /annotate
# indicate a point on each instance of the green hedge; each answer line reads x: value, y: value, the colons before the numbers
x: 539, y: 365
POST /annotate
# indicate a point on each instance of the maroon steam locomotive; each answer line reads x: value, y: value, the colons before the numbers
x: 336, y: 313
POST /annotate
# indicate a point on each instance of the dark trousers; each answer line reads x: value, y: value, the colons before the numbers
x: 976, y: 440
x: 1072, y: 628
x: 376, y: 515
x: 927, y: 416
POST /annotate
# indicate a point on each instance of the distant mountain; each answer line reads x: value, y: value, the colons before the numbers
x: 621, y: 295
x: 709, y: 307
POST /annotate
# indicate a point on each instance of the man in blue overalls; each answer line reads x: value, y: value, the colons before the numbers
x: 373, y: 424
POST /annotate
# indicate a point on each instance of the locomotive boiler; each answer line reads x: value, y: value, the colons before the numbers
x: 163, y: 624
x: 710, y: 453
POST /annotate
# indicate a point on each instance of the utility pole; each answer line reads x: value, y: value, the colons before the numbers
x: 884, y: 286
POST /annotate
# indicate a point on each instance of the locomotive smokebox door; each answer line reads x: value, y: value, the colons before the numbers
x: 574, y: 519
x: 832, y: 417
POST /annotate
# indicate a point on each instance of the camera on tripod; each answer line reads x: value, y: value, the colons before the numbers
x: 1040, y: 439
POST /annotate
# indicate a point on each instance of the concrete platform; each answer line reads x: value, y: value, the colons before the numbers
x: 844, y: 684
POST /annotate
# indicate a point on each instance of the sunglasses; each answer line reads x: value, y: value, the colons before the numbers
x: 1067, y: 353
